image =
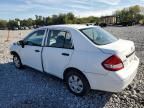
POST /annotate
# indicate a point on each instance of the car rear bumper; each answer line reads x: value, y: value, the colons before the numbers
x: 114, y: 81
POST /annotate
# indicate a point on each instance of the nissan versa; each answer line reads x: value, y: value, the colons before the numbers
x: 85, y: 57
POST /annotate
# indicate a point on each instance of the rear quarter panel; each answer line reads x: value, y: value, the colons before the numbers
x: 89, y: 62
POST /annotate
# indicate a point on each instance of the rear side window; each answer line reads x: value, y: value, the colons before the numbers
x: 60, y: 39
x: 98, y: 35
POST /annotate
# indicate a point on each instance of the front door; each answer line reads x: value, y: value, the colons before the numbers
x: 57, y: 53
x: 31, y: 53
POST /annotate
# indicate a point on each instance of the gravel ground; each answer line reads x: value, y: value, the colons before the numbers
x: 28, y: 88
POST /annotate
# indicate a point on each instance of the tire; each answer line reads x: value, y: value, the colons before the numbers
x: 17, y: 61
x: 77, y: 83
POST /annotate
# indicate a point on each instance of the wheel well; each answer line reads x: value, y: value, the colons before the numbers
x: 13, y: 53
x: 68, y: 70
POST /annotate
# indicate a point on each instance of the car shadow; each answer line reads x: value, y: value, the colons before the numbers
x: 29, y: 88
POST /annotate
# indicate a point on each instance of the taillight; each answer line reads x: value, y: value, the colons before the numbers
x: 113, y: 63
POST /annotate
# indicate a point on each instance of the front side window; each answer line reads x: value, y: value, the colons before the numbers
x: 60, y: 39
x: 98, y: 35
x: 35, y: 38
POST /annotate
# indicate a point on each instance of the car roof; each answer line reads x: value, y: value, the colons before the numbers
x: 72, y: 26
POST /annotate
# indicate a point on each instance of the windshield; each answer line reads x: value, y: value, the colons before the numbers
x: 98, y: 35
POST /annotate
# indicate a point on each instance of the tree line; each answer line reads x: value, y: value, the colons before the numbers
x: 130, y: 15
x: 39, y: 21
x: 126, y: 15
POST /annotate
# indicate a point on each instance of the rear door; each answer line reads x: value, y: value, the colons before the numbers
x: 31, y: 53
x: 58, y: 51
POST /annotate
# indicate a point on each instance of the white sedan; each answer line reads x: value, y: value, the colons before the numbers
x: 85, y: 57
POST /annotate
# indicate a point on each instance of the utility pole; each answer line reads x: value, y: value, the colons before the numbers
x: 8, y: 35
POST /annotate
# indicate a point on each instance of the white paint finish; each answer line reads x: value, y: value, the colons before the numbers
x: 30, y: 57
x: 54, y: 62
x: 87, y: 57
x: 15, y: 47
x: 114, y: 81
x: 89, y: 61
x: 121, y: 46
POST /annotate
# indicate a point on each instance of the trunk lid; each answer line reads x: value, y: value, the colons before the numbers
x: 124, y: 47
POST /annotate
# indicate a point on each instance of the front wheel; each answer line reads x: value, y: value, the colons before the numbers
x: 17, y: 61
x: 77, y: 83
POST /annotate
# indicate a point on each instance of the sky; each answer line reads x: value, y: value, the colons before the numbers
x: 10, y: 9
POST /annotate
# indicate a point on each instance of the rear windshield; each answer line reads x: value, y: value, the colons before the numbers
x: 98, y: 35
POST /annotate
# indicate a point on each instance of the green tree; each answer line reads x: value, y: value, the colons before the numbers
x: 61, y: 19
x: 30, y: 22
x: 129, y: 14
x: 70, y: 18
x: 3, y: 24
x: 48, y: 21
x: 12, y: 24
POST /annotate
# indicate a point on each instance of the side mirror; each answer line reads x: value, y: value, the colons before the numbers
x: 21, y: 42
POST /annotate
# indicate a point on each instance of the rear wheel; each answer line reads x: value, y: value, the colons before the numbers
x: 77, y: 83
x: 17, y: 61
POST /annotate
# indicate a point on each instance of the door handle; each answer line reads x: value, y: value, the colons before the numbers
x: 65, y: 54
x: 37, y: 51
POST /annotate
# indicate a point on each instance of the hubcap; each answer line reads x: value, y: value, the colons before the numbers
x: 16, y: 61
x: 75, y: 84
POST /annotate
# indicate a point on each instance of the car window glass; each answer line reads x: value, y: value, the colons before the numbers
x: 91, y: 33
x: 68, y: 41
x: 98, y: 35
x: 59, y: 39
x: 35, y: 39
